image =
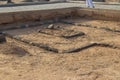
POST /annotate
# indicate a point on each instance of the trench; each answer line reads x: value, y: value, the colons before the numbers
x: 68, y: 32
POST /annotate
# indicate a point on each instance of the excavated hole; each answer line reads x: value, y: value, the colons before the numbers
x: 61, y: 30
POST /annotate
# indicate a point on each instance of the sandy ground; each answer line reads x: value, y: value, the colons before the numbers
x: 94, y: 63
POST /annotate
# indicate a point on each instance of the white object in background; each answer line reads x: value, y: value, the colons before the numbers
x: 58, y: 0
x: 89, y: 3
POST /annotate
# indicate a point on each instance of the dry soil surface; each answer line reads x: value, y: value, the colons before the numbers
x: 94, y: 63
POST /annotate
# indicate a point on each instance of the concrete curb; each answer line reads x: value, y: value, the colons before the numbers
x: 33, y: 15
x: 30, y: 3
x: 12, y: 17
x: 103, y: 14
x: 103, y: 3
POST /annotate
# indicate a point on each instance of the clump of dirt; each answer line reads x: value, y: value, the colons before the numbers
x: 12, y: 49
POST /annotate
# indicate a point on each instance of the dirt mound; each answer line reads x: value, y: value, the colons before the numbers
x: 11, y: 49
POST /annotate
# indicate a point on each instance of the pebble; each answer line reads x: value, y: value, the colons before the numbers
x: 51, y: 26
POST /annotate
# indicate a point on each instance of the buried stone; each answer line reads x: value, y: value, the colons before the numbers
x: 65, y: 33
x: 80, y: 48
x: 92, y: 44
x: 52, y: 26
x: 73, y: 34
x: 45, y: 47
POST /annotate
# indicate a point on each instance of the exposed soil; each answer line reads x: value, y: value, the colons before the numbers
x: 12, y: 49
x: 93, y: 63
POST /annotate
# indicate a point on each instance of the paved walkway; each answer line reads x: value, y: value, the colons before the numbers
x: 55, y: 6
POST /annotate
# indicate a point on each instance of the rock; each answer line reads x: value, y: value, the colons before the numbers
x: 51, y: 26
x: 73, y: 34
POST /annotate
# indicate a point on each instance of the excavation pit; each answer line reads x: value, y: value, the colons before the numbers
x: 68, y: 36
x: 61, y: 47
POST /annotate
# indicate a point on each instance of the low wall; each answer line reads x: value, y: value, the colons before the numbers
x: 103, y: 14
x: 13, y: 17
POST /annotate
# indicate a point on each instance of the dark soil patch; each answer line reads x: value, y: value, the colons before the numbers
x: 11, y: 49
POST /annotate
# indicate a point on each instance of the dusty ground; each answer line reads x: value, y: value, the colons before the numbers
x: 94, y: 63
